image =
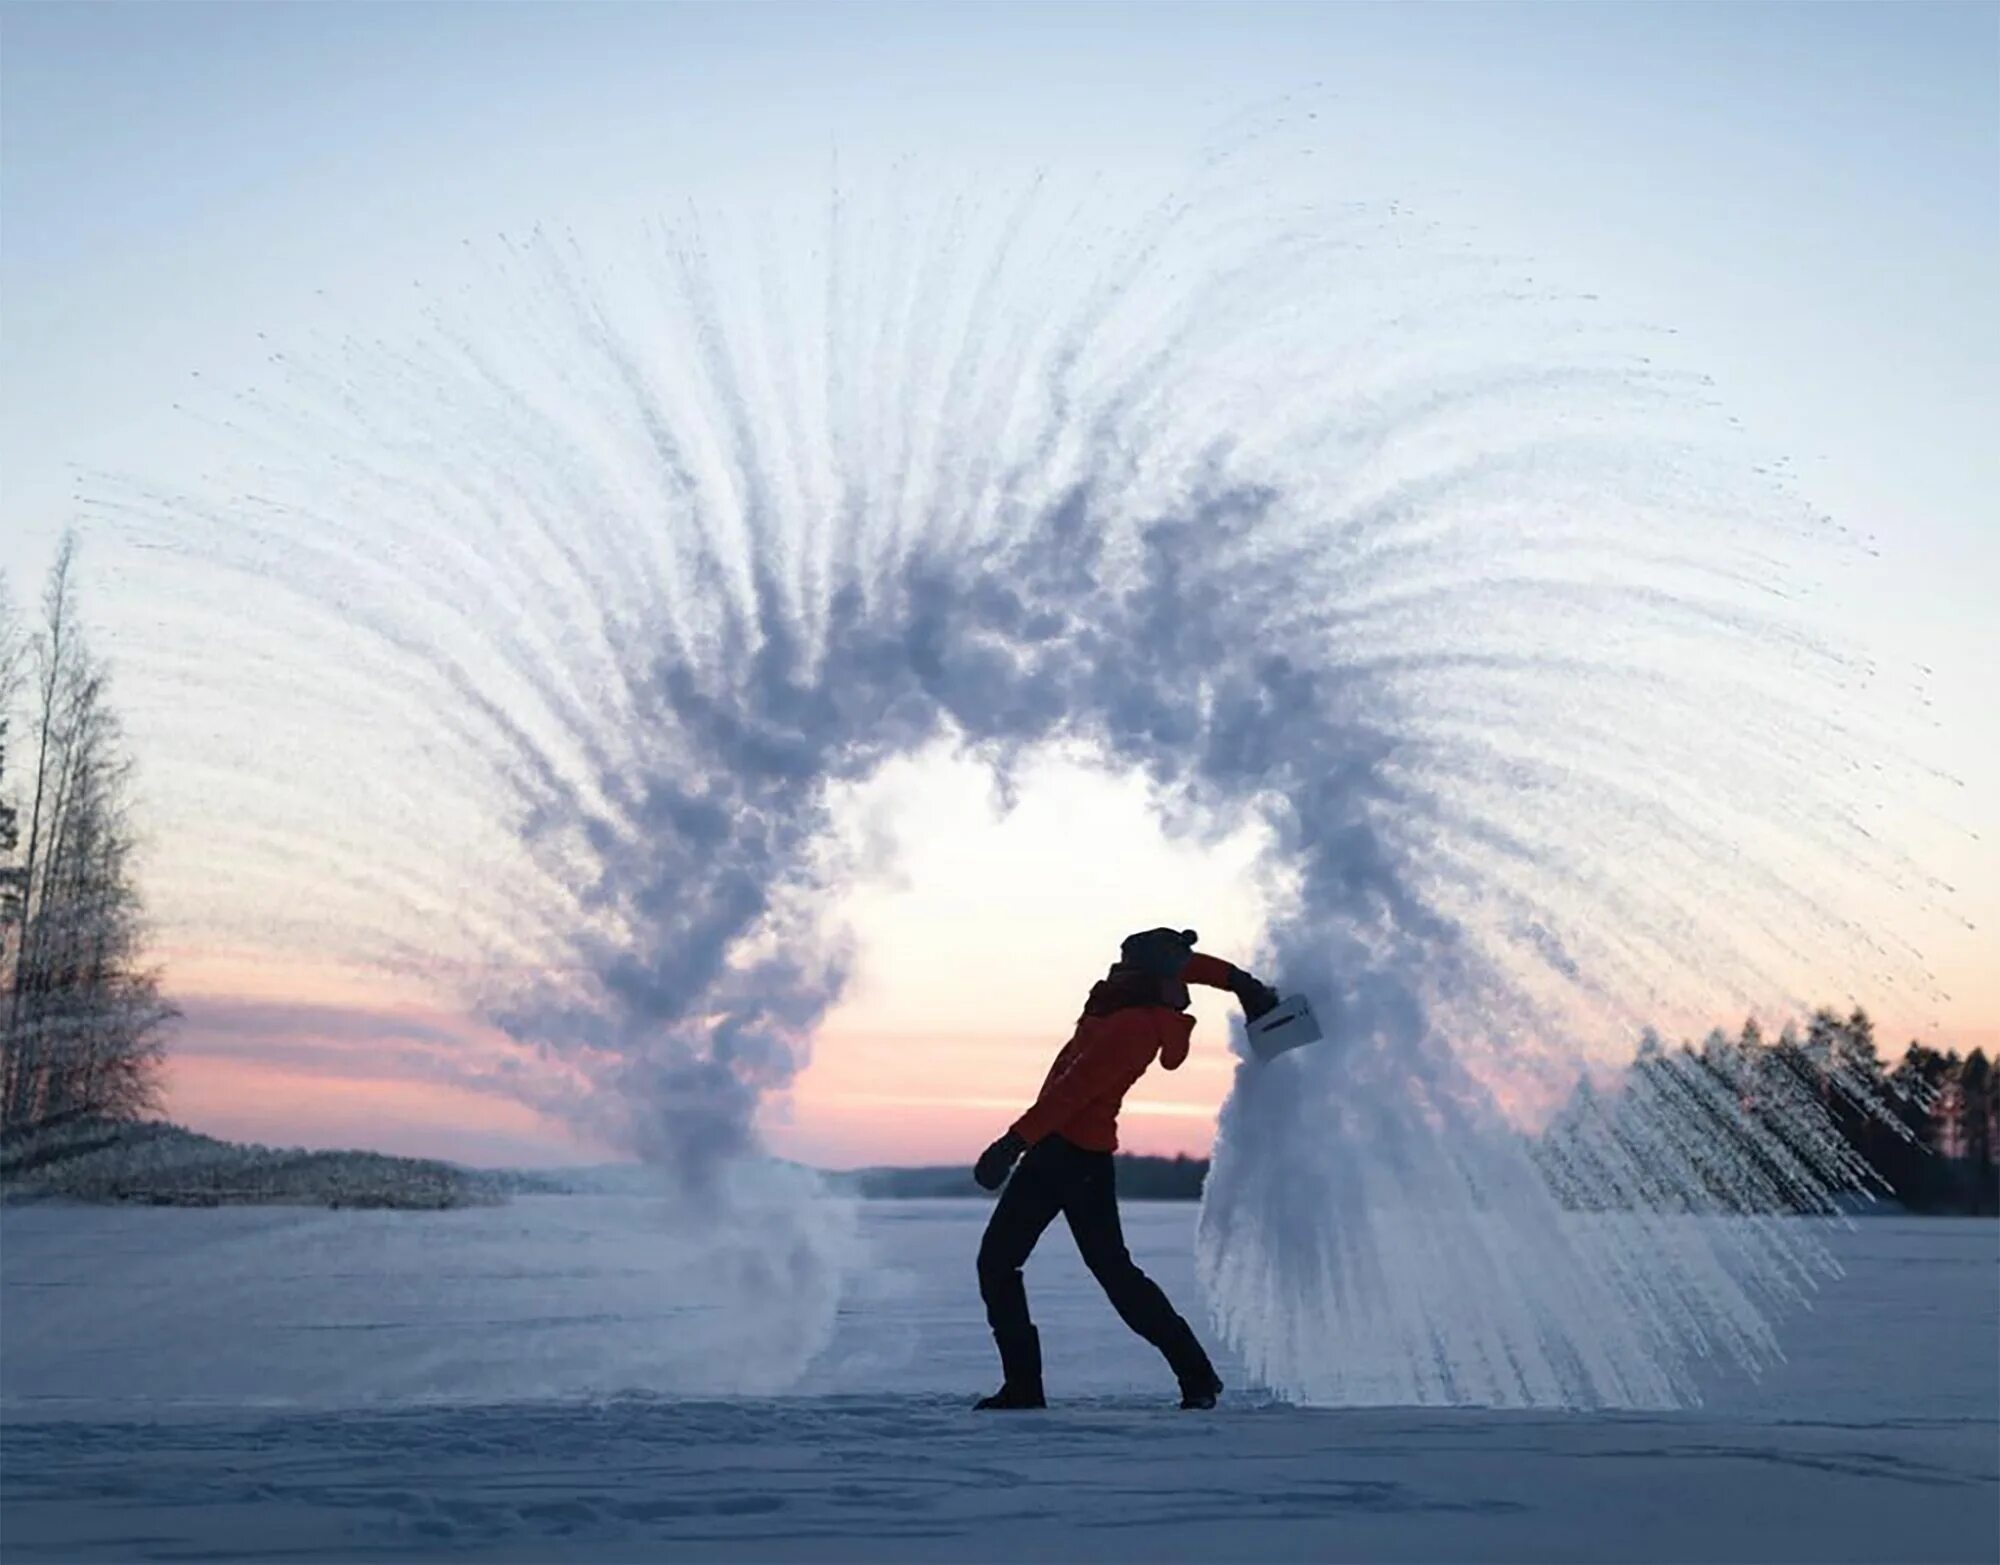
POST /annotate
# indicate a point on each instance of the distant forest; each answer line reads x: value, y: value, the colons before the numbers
x: 1935, y: 1153
x: 1920, y: 1133
x: 1139, y: 1179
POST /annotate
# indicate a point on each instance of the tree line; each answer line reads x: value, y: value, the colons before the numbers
x: 82, y: 1021
x: 1802, y: 1122
x: 1139, y: 1178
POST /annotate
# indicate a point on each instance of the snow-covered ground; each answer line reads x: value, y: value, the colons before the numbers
x: 260, y: 1382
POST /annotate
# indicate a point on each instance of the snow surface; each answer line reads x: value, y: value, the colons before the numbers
x: 324, y: 1385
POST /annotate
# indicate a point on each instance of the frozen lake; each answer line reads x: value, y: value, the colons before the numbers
x: 510, y: 1381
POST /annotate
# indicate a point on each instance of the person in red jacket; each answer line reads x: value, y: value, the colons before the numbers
x: 1064, y: 1143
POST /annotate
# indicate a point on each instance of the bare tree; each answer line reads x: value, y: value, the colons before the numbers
x: 84, y: 1019
x: 11, y: 874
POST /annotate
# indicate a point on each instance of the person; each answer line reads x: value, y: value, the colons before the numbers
x: 1064, y: 1146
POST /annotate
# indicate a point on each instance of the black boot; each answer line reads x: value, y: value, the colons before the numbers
x: 1201, y: 1391
x: 1021, y: 1369
x: 1200, y: 1385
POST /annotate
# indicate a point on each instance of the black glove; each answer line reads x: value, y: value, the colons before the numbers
x: 998, y: 1160
x: 1257, y: 998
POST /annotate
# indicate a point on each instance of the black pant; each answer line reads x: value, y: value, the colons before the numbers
x: 1059, y: 1176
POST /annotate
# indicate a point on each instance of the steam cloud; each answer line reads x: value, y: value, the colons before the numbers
x: 1298, y: 511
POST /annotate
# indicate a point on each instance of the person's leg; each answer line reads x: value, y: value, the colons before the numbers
x: 1091, y: 1206
x: 1025, y: 1209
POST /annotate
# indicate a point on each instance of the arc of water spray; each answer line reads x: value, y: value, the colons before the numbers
x: 652, y: 563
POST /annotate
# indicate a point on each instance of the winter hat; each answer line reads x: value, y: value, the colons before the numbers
x: 1163, y: 953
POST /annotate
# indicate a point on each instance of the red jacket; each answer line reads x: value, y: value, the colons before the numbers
x: 1087, y: 1084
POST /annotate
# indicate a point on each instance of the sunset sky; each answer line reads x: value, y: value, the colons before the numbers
x: 1808, y: 196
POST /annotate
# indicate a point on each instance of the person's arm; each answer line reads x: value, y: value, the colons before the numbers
x: 1108, y: 1062
x: 1100, y: 1066
x: 1210, y: 971
x: 1215, y: 973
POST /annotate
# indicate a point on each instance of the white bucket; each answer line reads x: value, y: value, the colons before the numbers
x: 1288, y: 1025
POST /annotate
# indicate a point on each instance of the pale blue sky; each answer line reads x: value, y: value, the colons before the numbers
x: 1808, y: 195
